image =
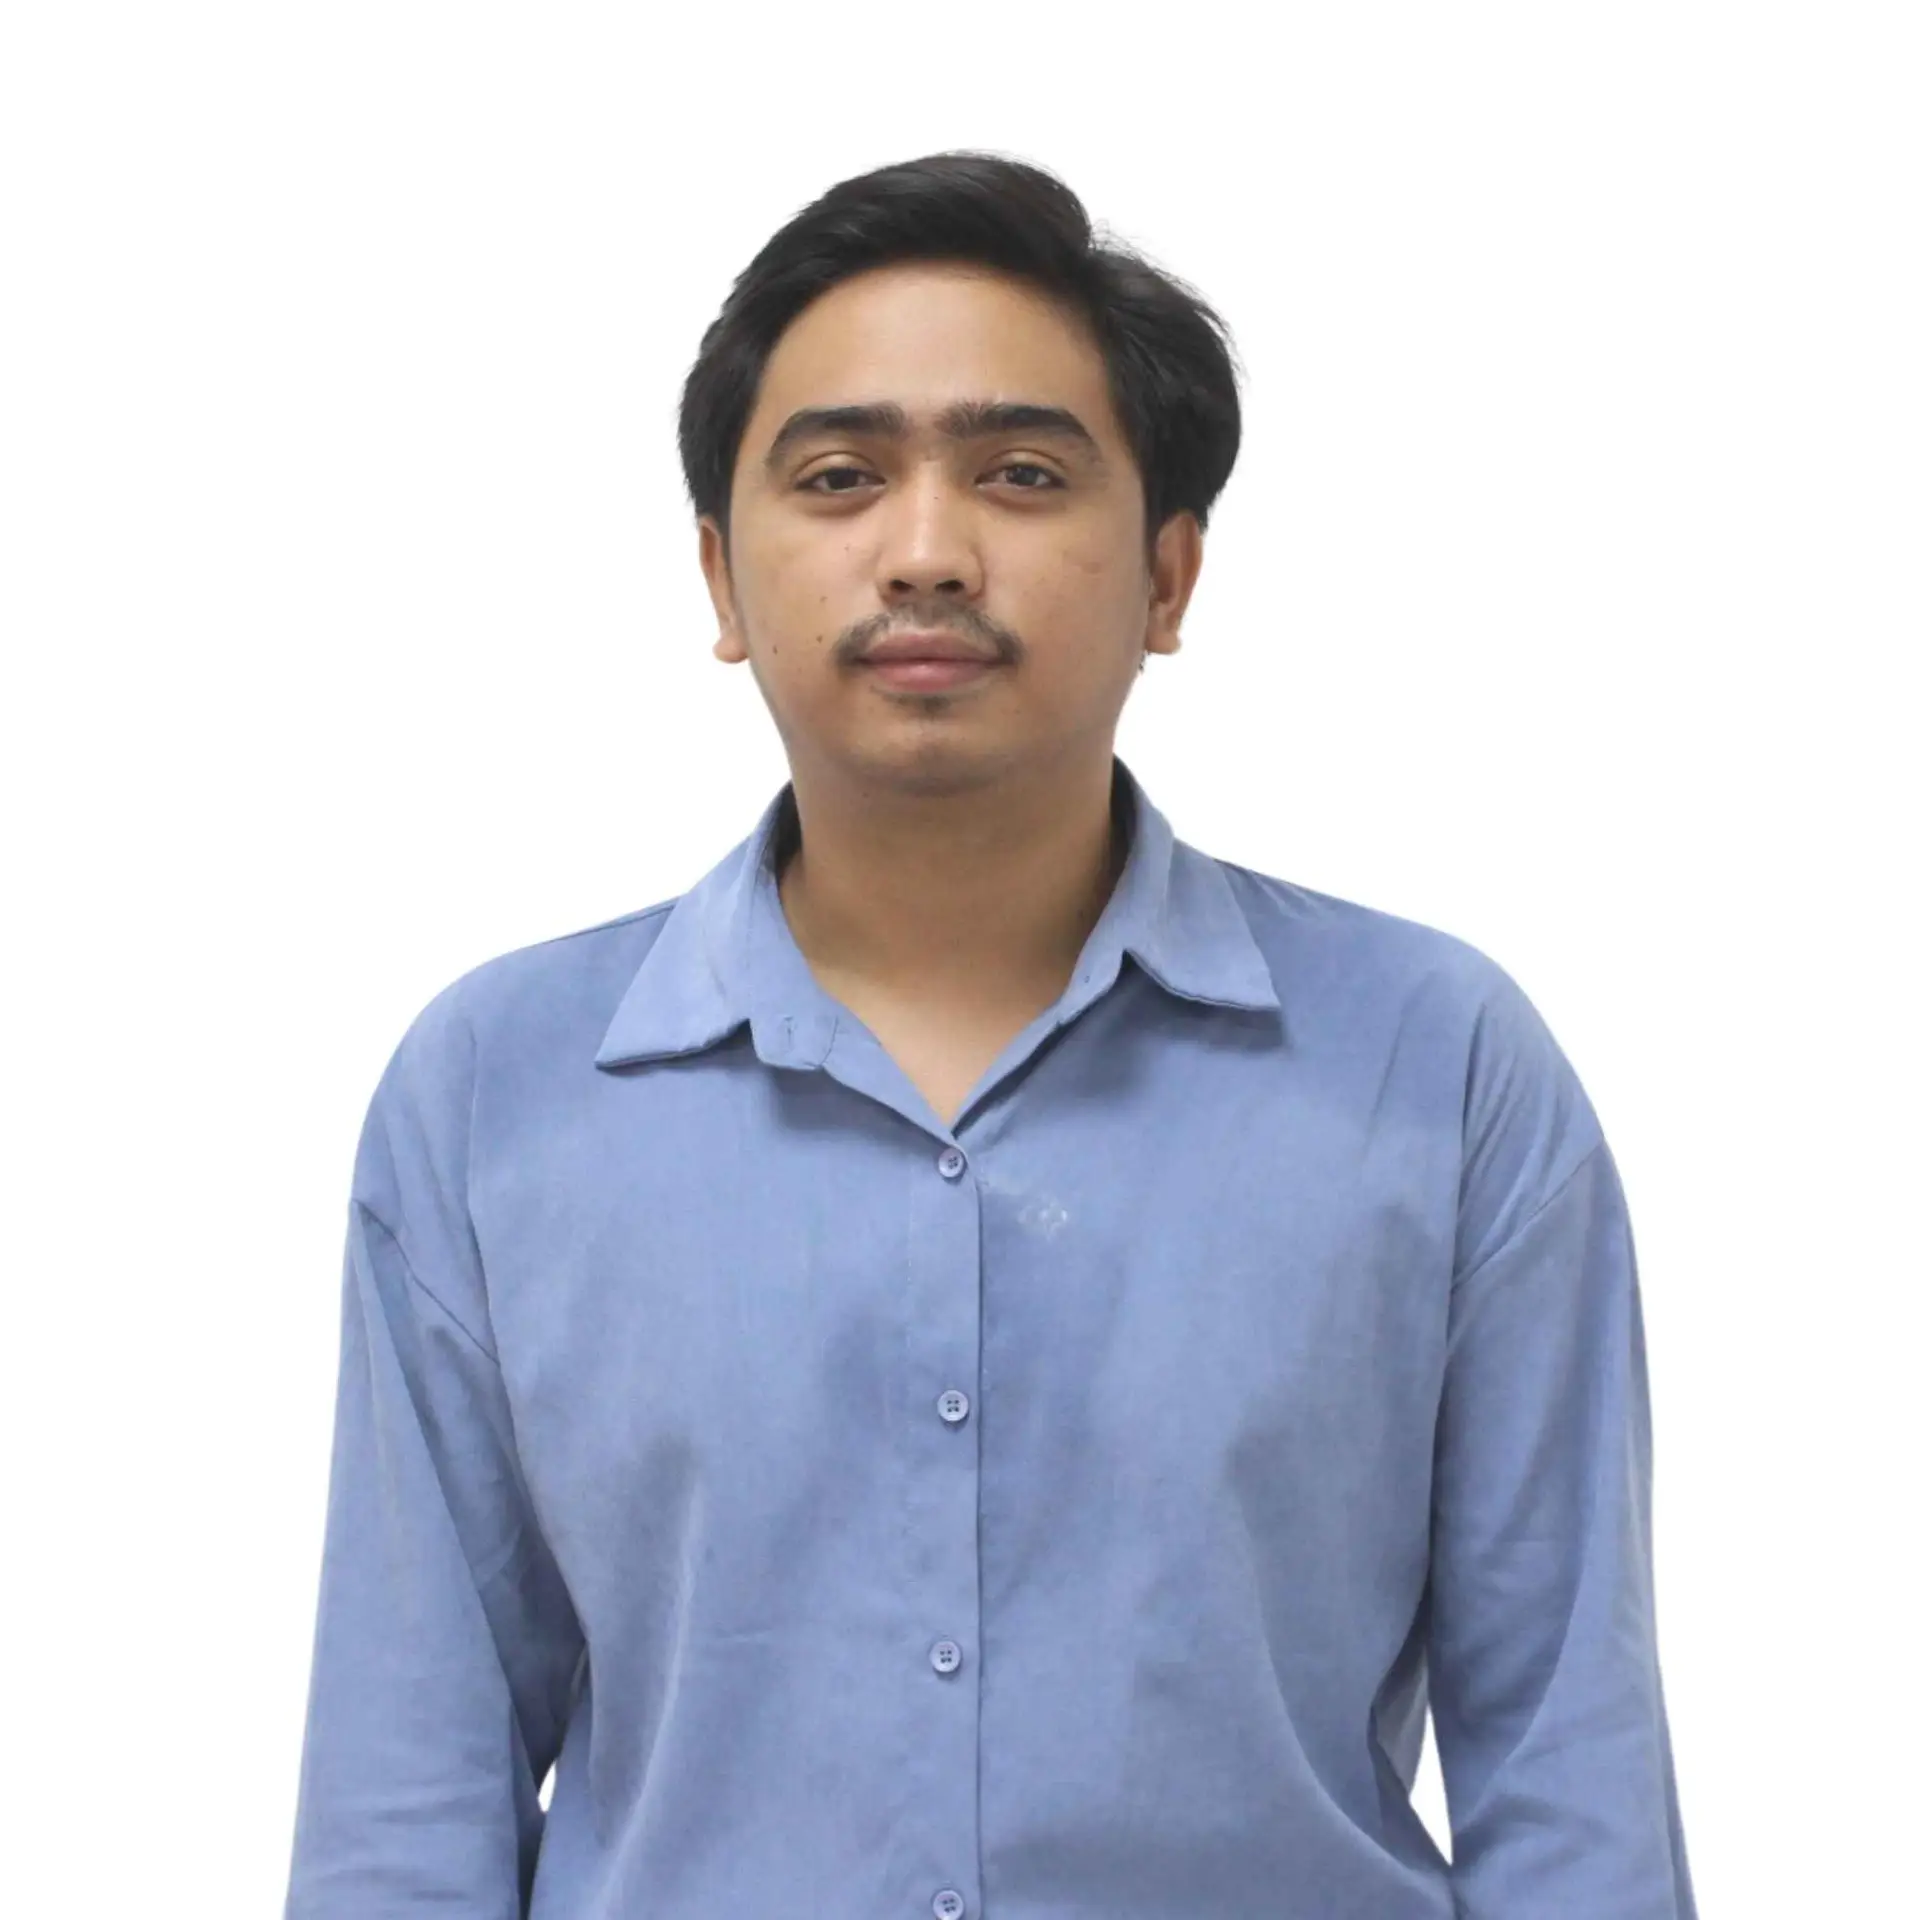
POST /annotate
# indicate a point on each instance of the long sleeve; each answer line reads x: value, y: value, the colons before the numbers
x: 1546, y: 1692
x: 445, y: 1641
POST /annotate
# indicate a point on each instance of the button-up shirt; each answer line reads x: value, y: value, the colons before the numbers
x: 1068, y: 1513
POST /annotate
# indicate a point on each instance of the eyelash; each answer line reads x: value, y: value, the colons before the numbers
x: 1006, y: 466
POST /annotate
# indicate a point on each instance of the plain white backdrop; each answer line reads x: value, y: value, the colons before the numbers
x: 1564, y: 597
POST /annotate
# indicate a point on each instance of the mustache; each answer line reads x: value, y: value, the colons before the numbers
x: 965, y: 621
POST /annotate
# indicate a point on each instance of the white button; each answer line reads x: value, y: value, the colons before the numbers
x: 953, y: 1163
x: 953, y: 1406
x: 945, y: 1655
x: 947, y: 1904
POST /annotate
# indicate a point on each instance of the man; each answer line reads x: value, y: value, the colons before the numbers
x: 981, y: 1361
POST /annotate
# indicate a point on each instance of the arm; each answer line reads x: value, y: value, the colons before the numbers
x: 445, y: 1641
x: 1544, y: 1674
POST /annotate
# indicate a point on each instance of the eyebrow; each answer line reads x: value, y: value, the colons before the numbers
x: 961, y: 420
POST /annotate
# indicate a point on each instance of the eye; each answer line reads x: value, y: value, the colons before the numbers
x: 807, y: 486
x: 1031, y: 466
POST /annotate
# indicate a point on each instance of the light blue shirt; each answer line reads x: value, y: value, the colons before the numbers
x: 1067, y: 1514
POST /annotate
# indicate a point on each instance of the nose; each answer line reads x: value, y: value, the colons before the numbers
x: 929, y: 541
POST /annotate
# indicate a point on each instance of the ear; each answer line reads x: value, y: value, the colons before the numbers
x: 731, y: 645
x: 1170, y: 581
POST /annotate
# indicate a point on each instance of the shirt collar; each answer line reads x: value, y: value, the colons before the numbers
x: 726, y: 954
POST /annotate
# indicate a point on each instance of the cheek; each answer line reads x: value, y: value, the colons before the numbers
x: 1100, y: 567
x: 1088, y: 589
x: 788, y: 601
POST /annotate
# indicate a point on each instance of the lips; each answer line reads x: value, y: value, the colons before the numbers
x: 922, y: 675
x: 899, y: 647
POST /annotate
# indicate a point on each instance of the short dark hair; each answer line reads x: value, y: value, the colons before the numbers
x: 1171, y: 366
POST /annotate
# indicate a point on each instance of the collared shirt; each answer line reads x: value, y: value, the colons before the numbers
x: 1066, y: 1514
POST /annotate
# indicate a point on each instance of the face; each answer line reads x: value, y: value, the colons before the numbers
x: 1022, y: 536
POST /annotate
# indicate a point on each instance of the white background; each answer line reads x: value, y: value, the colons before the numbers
x: 1564, y: 598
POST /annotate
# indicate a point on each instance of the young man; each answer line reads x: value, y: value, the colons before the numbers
x: 981, y: 1361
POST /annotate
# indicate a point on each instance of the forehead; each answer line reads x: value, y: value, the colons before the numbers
x: 924, y: 334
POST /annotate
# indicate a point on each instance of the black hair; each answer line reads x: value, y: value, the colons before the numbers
x: 1170, y: 359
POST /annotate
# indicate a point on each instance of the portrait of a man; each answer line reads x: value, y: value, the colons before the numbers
x: 979, y: 1359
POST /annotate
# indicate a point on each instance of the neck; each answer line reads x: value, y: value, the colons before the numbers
x: 987, y: 894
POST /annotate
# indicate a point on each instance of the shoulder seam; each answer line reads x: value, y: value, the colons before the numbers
x: 406, y: 1267
x: 1560, y: 1187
